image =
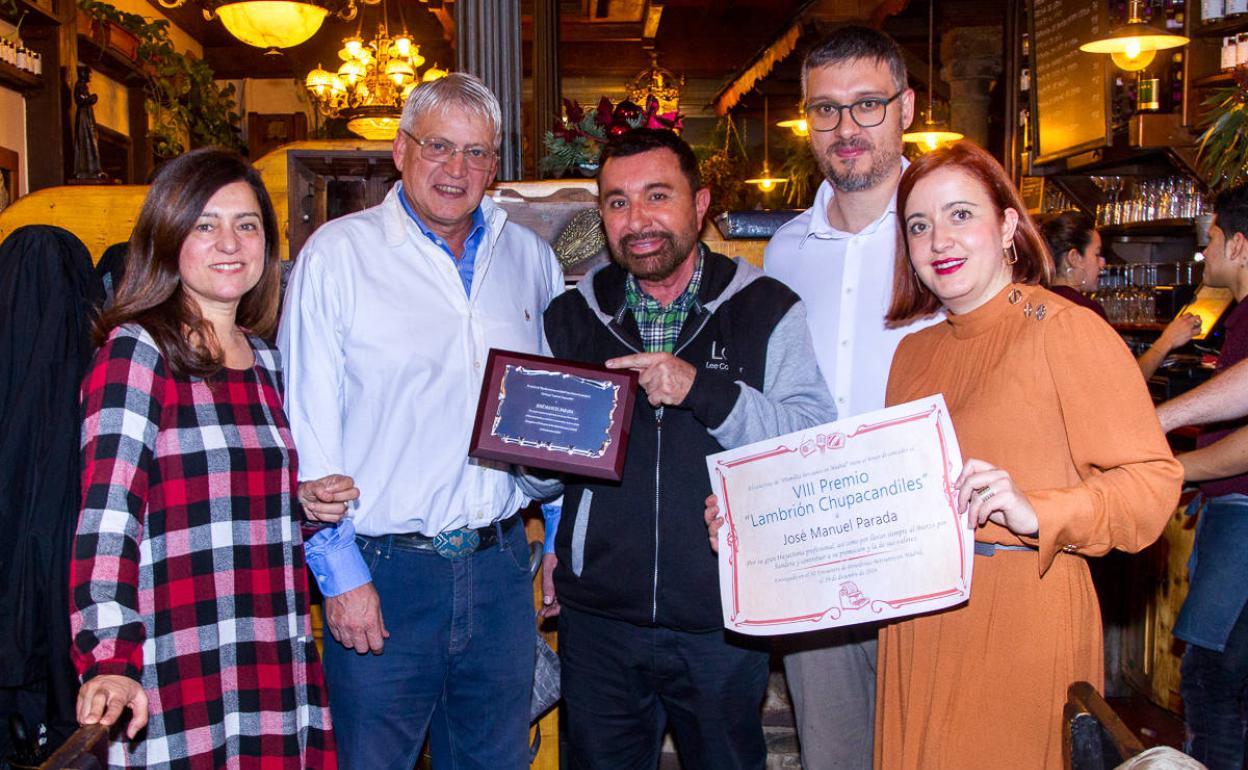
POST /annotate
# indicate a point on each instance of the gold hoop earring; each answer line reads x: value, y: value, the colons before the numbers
x: 1011, y: 255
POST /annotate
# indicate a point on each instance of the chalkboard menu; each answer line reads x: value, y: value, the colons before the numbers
x: 1071, y: 88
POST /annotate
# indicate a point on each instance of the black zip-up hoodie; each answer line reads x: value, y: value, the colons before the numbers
x: 637, y: 550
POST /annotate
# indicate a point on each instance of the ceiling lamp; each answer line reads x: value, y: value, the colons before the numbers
x: 933, y: 134
x: 373, y: 81
x: 766, y: 182
x: 374, y: 122
x: 1133, y: 45
x: 658, y: 82
x: 798, y: 126
x: 272, y: 23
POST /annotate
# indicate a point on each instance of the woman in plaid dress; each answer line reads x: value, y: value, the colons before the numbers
x: 189, y: 592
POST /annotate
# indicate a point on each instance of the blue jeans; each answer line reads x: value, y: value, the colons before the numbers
x: 1219, y: 572
x: 458, y: 663
x: 1214, y: 685
x: 624, y: 684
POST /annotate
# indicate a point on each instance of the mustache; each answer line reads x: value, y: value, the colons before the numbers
x: 628, y: 240
x: 854, y: 143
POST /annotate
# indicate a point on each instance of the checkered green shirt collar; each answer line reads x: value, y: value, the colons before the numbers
x: 660, y: 326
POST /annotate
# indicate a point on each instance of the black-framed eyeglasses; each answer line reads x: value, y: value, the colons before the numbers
x: 439, y: 150
x: 867, y: 113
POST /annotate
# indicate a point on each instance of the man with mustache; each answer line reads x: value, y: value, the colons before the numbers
x: 725, y: 359
x: 838, y: 255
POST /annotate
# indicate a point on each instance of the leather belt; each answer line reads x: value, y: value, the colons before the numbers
x: 456, y: 543
x: 990, y: 549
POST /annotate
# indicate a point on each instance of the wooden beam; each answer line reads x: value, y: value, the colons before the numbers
x: 447, y: 19
x: 650, y: 25
x: 579, y: 31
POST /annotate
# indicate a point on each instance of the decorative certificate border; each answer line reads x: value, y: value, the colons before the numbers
x: 853, y: 601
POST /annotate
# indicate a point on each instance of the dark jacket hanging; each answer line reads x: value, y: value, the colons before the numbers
x: 48, y: 291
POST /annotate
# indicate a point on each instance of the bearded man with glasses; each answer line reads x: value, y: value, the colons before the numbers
x: 838, y: 256
x: 389, y: 317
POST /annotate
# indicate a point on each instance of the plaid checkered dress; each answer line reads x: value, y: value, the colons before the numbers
x: 188, y: 571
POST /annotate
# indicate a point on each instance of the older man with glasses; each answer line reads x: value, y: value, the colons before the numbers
x: 389, y: 317
x: 838, y: 256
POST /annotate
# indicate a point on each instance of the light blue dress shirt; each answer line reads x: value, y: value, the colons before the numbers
x: 464, y: 265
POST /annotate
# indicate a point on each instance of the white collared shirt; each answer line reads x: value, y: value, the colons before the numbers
x: 846, y: 281
x: 384, y: 356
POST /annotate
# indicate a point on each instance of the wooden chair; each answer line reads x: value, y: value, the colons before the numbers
x: 1093, y: 737
x: 86, y: 749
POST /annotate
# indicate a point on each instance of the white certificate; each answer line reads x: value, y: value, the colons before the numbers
x: 843, y: 523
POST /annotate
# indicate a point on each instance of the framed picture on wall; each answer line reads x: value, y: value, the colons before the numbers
x: 8, y: 177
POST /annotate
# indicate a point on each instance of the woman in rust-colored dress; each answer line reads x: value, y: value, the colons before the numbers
x: 1064, y: 460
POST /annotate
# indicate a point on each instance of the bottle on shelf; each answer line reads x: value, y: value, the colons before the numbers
x: 1175, y: 79
x: 1148, y: 95
x: 1175, y: 11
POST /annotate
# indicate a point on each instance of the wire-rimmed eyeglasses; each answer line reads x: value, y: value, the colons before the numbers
x: 439, y: 150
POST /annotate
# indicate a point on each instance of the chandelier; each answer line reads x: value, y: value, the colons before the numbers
x: 373, y: 81
x: 658, y: 82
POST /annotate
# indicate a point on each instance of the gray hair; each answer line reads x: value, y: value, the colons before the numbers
x: 458, y: 89
x: 854, y: 42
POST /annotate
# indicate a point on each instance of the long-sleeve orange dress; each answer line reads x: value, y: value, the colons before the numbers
x: 1047, y: 391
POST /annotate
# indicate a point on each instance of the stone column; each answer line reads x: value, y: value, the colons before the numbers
x: 487, y: 44
x: 972, y: 62
x: 545, y: 77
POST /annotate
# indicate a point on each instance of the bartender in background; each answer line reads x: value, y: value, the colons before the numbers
x: 1213, y: 621
x: 1076, y: 248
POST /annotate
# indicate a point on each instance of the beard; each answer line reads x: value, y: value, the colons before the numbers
x: 658, y: 264
x: 883, y: 162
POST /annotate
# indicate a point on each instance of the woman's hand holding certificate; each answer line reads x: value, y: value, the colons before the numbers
x: 852, y: 521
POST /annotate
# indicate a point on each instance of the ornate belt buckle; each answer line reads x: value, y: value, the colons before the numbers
x: 455, y: 543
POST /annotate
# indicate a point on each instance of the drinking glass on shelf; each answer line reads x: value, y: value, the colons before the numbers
x: 1109, y: 292
x: 1148, y: 302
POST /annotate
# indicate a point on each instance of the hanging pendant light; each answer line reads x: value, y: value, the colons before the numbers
x: 766, y: 182
x: 272, y: 23
x: 1133, y: 46
x: 798, y: 126
x: 933, y: 133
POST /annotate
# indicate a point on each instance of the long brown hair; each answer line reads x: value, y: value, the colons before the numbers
x: 911, y: 299
x: 151, y: 292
